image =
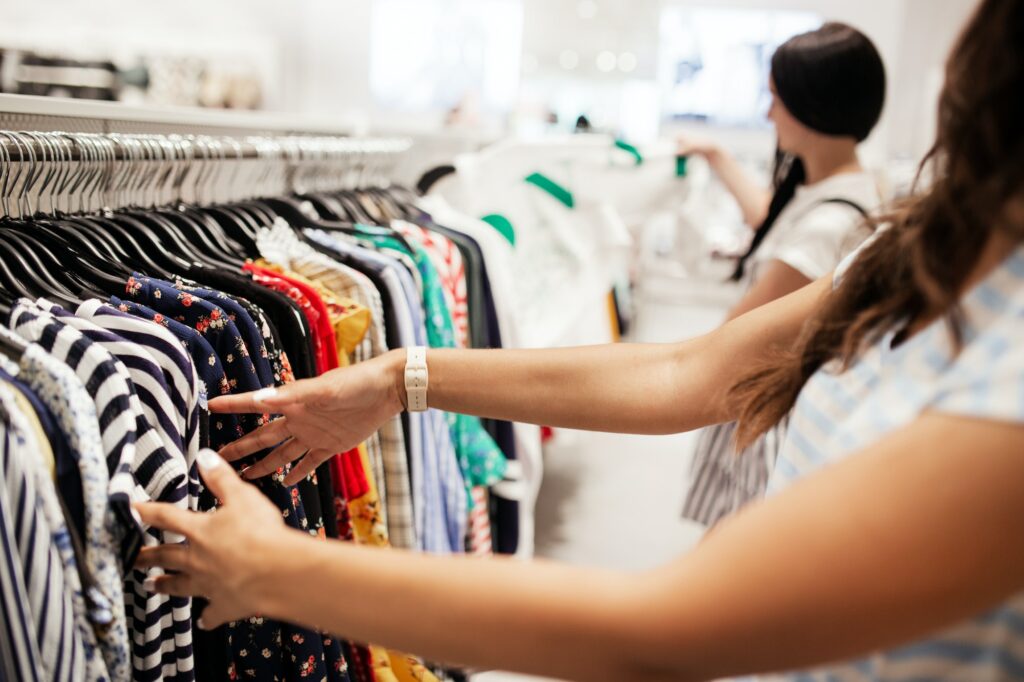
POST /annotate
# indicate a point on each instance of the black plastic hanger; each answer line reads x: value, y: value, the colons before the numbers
x: 235, y: 227
x: 193, y: 235
x: 144, y: 247
x: 42, y: 277
x: 229, y: 251
x: 40, y: 252
x: 92, y: 229
x: 97, y: 275
x: 10, y: 280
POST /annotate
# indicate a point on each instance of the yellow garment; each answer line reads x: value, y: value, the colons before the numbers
x: 45, y: 451
x: 349, y: 319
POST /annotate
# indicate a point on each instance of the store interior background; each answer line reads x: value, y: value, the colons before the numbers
x: 459, y: 75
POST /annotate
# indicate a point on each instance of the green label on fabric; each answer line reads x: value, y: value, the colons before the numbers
x: 552, y: 188
x: 502, y: 225
x: 627, y: 147
x: 681, y: 166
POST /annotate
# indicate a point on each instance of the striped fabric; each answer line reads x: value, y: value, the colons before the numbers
x: 723, y: 480
x: 480, y: 542
x: 149, y: 380
x: 64, y: 394
x: 39, y: 624
x: 187, y: 393
x: 158, y: 622
x: 162, y: 649
x: 839, y: 413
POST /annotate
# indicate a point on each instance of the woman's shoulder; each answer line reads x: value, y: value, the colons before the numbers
x: 841, y: 198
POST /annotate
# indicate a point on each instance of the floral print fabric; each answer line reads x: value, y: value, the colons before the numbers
x: 294, y: 653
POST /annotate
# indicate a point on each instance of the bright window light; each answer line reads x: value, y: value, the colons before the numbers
x: 713, y: 62
x: 430, y: 55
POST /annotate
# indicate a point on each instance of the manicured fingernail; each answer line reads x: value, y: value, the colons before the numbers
x: 201, y: 623
x: 136, y: 516
x: 264, y: 393
x: 208, y: 459
x: 149, y: 584
x: 245, y: 473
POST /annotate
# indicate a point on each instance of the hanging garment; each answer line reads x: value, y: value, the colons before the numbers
x: 38, y: 578
x: 60, y: 389
x: 160, y: 476
x: 451, y: 273
x: 301, y: 652
x: 399, y: 470
x: 481, y: 461
x: 439, y: 514
x: 187, y: 391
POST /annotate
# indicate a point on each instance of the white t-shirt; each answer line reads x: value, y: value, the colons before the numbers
x: 812, y: 235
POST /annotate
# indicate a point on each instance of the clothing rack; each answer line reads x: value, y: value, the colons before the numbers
x: 198, y: 157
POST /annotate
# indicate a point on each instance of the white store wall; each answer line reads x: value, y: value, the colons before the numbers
x: 317, y: 52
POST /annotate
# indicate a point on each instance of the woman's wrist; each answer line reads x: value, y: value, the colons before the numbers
x: 282, y: 574
x: 394, y: 373
x: 713, y: 154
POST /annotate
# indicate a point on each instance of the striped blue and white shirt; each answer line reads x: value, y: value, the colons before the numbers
x: 839, y: 413
x: 41, y: 627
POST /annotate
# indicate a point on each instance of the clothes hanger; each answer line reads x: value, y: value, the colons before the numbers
x: 23, y: 266
x: 210, y: 237
x: 10, y: 280
x: 172, y: 223
x: 40, y: 252
x: 237, y: 228
x: 97, y: 276
x: 40, y: 274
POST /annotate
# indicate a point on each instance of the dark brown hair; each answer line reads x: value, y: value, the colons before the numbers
x: 832, y: 80
x: 916, y: 267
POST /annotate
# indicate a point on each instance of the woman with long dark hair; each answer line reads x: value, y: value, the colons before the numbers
x: 828, y: 89
x: 889, y: 548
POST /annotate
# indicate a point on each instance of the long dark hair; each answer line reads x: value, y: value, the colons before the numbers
x: 833, y: 81
x: 918, y: 265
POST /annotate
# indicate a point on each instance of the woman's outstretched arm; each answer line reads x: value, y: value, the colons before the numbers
x: 625, y: 388
x: 916, y: 532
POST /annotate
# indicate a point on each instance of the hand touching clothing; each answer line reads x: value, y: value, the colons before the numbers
x: 320, y: 417
x: 228, y: 552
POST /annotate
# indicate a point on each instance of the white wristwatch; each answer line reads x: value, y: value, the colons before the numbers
x: 416, y: 378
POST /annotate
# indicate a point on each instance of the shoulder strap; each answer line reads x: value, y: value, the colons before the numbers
x: 847, y: 202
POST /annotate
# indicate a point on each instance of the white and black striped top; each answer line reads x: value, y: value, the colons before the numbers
x: 162, y: 648
x: 186, y: 392
x: 140, y: 468
x: 38, y: 637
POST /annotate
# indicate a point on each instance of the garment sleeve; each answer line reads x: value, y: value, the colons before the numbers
x: 820, y: 240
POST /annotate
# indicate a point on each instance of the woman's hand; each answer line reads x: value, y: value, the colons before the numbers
x: 323, y: 416
x: 230, y: 553
x: 689, y: 144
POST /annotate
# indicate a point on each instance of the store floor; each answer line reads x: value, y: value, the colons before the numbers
x: 613, y: 501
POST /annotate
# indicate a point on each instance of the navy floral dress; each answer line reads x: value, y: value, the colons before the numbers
x: 257, y: 648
